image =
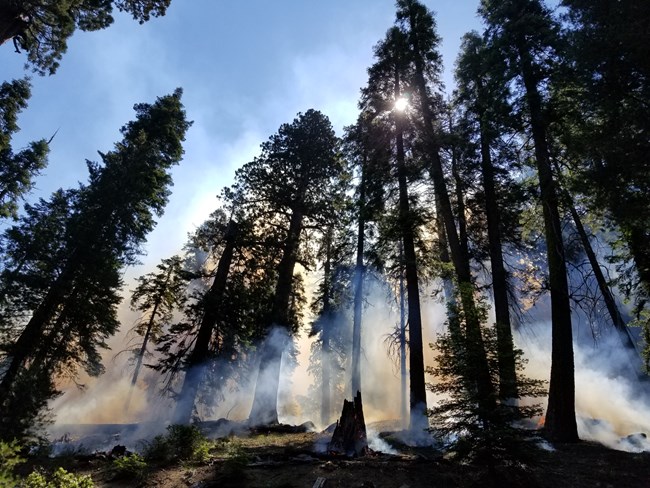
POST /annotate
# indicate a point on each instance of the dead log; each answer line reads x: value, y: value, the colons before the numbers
x: 349, y: 437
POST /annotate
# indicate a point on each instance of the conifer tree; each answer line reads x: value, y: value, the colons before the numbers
x: 291, y: 184
x: 157, y: 296
x: 418, y: 26
x: 42, y: 27
x: 104, y: 232
x: 525, y: 35
x: 385, y: 87
x: 483, y: 94
x: 603, y: 98
x: 17, y: 169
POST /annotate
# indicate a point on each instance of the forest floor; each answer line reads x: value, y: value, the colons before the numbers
x: 274, y: 460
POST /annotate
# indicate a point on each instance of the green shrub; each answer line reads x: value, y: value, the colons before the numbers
x: 181, y: 443
x: 9, y: 459
x: 60, y: 479
x: 189, y: 443
x: 132, y: 466
x: 157, y: 449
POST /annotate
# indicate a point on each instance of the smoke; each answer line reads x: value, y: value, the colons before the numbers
x: 612, y: 403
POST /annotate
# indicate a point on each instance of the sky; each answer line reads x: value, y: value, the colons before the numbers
x: 245, y: 67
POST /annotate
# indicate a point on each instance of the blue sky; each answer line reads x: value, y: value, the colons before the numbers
x: 245, y: 66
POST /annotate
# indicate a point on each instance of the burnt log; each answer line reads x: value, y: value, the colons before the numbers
x: 349, y: 437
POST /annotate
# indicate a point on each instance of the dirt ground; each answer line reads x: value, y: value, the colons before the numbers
x: 290, y: 461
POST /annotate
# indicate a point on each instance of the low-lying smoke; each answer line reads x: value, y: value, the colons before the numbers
x: 613, y: 406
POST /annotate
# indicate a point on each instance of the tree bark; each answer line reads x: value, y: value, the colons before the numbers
x: 349, y: 437
x: 505, y: 344
x: 359, y: 275
x: 265, y: 402
x: 195, y: 367
x: 326, y: 359
x: 402, y: 340
x: 418, y: 400
x: 560, y: 424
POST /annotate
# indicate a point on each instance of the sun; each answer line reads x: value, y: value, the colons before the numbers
x: 401, y: 104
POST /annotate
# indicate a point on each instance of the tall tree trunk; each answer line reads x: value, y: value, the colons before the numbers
x: 447, y: 277
x: 418, y: 402
x: 31, y: 336
x: 560, y: 424
x: 473, y: 339
x: 359, y: 275
x: 195, y: 365
x: 505, y: 344
x: 141, y: 353
x: 326, y: 359
x: 265, y: 402
x: 637, y: 240
x: 402, y: 340
x: 460, y: 204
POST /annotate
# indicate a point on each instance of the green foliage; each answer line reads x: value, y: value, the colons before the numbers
x: 59, y: 479
x: 17, y: 169
x: 602, y: 103
x: 181, y: 443
x: 66, y: 301
x: 157, y: 296
x: 42, y: 27
x: 460, y: 419
x: 131, y: 466
x: 9, y: 459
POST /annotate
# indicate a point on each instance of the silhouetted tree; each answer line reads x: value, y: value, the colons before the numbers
x: 291, y: 184
x: 106, y: 228
x: 17, y: 170
x: 524, y: 34
x: 157, y: 296
x: 419, y: 27
x: 42, y: 27
x: 483, y: 94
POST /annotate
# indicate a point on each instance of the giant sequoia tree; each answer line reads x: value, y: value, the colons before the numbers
x: 107, y: 224
x: 42, y: 27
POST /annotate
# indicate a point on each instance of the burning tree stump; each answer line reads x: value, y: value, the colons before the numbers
x: 349, y: 437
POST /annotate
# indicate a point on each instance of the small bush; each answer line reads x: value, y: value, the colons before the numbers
x: 9, y: 459
x: 189, y: 443
x: 60, y: 479
x: 181, y: 443
x: 157, y: 450
x: 132, y: 466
